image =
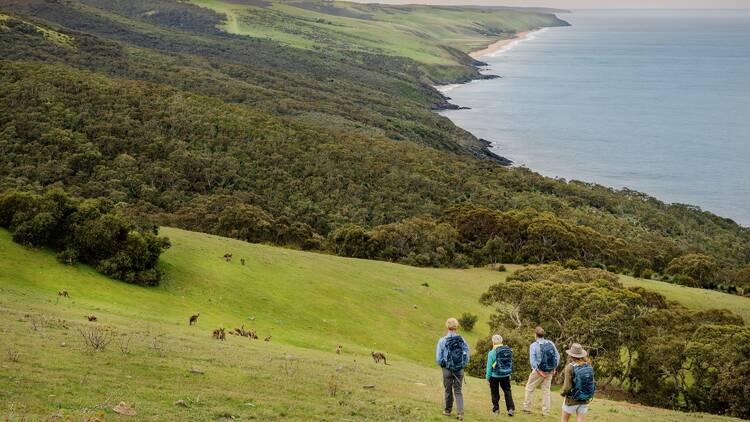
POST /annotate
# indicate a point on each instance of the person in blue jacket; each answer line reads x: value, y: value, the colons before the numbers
x: 452, y: 354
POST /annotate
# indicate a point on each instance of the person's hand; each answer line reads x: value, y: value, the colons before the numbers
x: 542, y: 373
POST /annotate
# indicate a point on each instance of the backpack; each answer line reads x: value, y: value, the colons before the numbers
x: 503, y: 362
x: 583, y: 383
x: 549, y: 357
x: 455, y: 358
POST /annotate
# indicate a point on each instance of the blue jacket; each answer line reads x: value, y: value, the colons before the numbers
x: 441, y: 351
x: 535, y: 353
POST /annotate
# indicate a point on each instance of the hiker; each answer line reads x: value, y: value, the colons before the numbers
x: 579, y: 387
x: 544, y: 358
x: 452, y: 354
x: 499, y: 369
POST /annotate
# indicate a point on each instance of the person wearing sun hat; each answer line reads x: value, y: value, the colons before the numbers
x: 579, y: 387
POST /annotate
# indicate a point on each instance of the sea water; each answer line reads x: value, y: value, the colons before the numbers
x: 656, y: 101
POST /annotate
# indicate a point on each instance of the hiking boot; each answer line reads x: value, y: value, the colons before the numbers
x: 446, y: 413
x: 511, y: 412
x: 460, y: 416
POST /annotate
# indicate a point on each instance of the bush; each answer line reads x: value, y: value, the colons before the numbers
x: 87, y: 231
x: 467, y: 321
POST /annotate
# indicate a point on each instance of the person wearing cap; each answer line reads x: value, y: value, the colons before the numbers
x: 577, y: 356
x: 453, y: 376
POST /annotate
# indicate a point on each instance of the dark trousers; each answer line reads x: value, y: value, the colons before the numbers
x: 495, y: 385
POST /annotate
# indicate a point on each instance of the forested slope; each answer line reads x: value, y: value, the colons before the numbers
x: 183, y: 124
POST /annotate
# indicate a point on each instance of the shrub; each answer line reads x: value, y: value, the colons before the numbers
x: 467, y: 321
x: 89, y: 231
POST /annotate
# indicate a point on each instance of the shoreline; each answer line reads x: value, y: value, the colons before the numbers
x: 501, y: 45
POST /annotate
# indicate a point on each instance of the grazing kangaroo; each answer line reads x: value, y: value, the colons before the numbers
x: 338, y: 349
x: 91, y: 318
x: 242, y: 261
x: 267, y: 338
x: 194, y: 319
x: 219, y: 334
x: 377, y: 357
x: 227, y: 257
x: 63, y: 293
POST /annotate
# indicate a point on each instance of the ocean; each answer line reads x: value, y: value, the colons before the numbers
x: 656, y: 101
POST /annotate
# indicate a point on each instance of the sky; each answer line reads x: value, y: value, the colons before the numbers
x: 592, y: 4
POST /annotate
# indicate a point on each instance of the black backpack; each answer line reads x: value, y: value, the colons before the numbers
x: 455, y: 358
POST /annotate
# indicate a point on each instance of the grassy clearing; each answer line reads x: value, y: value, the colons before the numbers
x: 307, y: 302
x: 694, y: 298
x: 417, y: 32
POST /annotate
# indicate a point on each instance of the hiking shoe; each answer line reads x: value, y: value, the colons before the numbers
x: 511, y: 412
x: 446, y: 413
x: 460, y: 416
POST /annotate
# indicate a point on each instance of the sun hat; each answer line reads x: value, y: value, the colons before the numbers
x: 576, y: 350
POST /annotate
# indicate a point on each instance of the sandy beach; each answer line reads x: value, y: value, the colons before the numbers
x: 498, y: 45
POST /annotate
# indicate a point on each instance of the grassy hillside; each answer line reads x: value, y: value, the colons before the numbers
x: 307, y: 302
x: 416, y: 32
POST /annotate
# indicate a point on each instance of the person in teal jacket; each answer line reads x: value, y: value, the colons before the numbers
x: 499, y: 370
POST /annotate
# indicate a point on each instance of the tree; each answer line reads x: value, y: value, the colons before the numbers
x: 702, y: 268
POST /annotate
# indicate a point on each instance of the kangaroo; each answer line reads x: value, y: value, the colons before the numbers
x: 194, y: 319
x: 377, y: 357
x: 219, y: 334
x: 228, y: 257
x: 267, y: 338
x: 91, y: 318
x: 63, y: 293
x: 338, y: 349
x: 242, y: 261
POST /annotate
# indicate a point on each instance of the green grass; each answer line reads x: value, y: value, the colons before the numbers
x: 417, y: 32
x: 308, y: 302
x: 694, y: 298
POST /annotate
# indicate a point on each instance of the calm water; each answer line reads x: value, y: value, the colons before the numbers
x: 652, y: 100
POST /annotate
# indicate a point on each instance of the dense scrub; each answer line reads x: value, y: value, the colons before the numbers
x: 89, y: 231
x: 661, y: 353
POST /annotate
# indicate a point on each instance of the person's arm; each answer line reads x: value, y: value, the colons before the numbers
x: 467, y: 351
x: 557, y: 356
x: 439, y: 352
x: 533, y: 359
x: 490, y: 363
x: 568, y: 383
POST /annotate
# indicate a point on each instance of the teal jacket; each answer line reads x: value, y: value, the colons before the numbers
x: 491, y: 360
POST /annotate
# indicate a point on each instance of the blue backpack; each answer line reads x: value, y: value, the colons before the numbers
x: 583, y: 383
x: 549, y: 357
x: 455, y: 358
x: 503, y: 362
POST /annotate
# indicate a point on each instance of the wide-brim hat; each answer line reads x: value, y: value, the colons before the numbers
x: 577, y: 351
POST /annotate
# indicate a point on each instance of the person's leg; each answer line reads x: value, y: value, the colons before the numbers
x: 458, y: 381
x: 581, y: 413
x: 505, y: 384
x: 546, y: 385
x: 495, y: 393
x: 448, y: 385
x: 531, y: 384
x: 565, y: 417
